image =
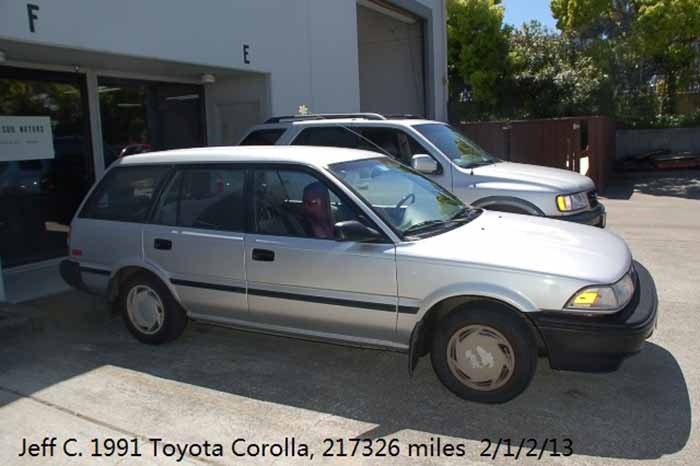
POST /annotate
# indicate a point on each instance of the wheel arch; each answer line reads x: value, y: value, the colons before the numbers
x: 124, y: 270
x: 427, y: 322
x: 492, y: 202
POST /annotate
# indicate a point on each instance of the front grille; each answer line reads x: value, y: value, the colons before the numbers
x: 592, y: 198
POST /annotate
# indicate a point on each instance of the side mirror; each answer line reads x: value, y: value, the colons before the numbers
x: 424, y: 163
x: 352, y: 230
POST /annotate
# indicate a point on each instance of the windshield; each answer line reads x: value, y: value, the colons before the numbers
x: 459, y: 148
x: 406, y: 200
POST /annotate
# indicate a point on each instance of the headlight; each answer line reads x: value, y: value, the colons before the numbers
x: 604, y: 298
x: 572, y: 202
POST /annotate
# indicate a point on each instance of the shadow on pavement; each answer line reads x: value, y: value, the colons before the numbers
x: 641, y: 411
x: 676, y: 183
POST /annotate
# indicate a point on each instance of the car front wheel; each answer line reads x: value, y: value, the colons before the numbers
x: 484, y: 352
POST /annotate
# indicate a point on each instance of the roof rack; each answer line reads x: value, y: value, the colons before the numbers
x: 325, y: 116
x: 399, y: 116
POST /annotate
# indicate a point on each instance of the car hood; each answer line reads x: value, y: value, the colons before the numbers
x: 555, y: 179
x: 530, y: 244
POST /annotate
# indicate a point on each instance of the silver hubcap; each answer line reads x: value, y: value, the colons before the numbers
x: 145, y: 309
x: 480, y: 357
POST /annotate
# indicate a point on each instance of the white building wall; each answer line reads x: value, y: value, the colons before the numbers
x: 334, y: 62
x: 307, y: 47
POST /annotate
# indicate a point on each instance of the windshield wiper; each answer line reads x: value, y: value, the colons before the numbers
x: 478, y: 164
x: 460, y: 213
x: 463, y: 216
x: 423, y: 225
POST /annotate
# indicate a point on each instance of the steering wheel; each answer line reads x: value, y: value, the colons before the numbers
x: 405, y: 199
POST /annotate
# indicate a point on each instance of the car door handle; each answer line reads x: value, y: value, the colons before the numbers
x: 162, y: 244
x: 263, y: 255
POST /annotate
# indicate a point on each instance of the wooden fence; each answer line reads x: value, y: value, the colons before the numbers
x: 582, y: 144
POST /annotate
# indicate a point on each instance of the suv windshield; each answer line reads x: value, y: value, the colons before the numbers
x: 405, y: 200
x: 453, y: 144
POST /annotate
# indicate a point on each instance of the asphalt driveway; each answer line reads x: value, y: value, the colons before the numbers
x: 83, y: 377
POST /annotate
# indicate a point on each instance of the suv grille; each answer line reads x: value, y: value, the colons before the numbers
x: 592, y: 198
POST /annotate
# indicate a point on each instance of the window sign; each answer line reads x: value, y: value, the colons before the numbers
x: 25, y: 138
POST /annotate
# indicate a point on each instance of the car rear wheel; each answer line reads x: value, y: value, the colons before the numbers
x: 484, y: 352
x: 149, y: 310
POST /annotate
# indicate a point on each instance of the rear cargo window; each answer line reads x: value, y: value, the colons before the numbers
x: 125, y: 194
x: 263, y: 137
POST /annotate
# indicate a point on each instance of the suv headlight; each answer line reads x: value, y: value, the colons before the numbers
x: 572, y: 202
x: 604, y: 298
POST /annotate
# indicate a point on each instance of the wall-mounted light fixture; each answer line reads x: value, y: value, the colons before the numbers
x: 208, y: 78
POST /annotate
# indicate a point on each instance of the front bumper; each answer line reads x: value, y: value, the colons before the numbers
x: 599, y: 344
x: 595, y: 217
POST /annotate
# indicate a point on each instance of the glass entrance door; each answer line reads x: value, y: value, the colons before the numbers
x: 143, y: 116
x: 39, y: 188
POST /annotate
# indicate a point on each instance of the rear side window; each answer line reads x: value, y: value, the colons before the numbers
x: 125, y: 194
x: 263, y: 137
x: 206, y: 198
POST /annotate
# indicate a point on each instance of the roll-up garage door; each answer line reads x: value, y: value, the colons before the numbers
x: 390, y: 48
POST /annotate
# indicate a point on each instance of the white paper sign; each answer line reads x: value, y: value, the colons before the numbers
x: 25, y: 138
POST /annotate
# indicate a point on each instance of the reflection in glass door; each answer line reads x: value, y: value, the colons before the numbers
x: 50, y: 189
x: 143, y: 116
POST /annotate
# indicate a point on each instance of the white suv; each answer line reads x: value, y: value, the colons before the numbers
x: 352, y: 247
x: 448, y: 158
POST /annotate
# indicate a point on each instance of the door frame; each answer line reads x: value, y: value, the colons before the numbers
x: 78, y: 80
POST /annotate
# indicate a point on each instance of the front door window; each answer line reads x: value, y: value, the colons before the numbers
x: 295, y: 203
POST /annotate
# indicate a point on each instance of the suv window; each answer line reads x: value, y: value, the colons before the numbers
x: 207, y: 198
x: 399, y: 144
x: 395, y: 142
x: 263, y: 137
x: 333, y: 136
x: 295, y: 203
x: 125, y: 194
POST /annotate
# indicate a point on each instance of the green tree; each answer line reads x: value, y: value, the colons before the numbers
x: 637, y: 39
x: 550, y: 77
x: 477, y: 49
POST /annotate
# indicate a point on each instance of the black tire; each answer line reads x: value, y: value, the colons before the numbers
x: 174, y: 316
x: 510, y: 325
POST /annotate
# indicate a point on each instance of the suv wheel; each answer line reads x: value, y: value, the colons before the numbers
x: 149, y: 310
x: 484, y: 353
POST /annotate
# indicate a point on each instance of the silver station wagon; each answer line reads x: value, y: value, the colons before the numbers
x: 353, y: 247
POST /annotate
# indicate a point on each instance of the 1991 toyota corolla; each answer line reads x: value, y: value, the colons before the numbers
x: 347, y: 246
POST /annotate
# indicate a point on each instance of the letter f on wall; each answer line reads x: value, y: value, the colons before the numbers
x: 32, y: 16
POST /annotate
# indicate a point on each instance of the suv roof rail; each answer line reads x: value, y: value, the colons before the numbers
x: 325, y: 116
x: 398, y: 116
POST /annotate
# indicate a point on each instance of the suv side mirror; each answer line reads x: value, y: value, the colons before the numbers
x: 352, y: 230
x: 424, y: 163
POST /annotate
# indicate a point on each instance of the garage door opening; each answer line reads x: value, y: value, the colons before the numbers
x: 391, y: 57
